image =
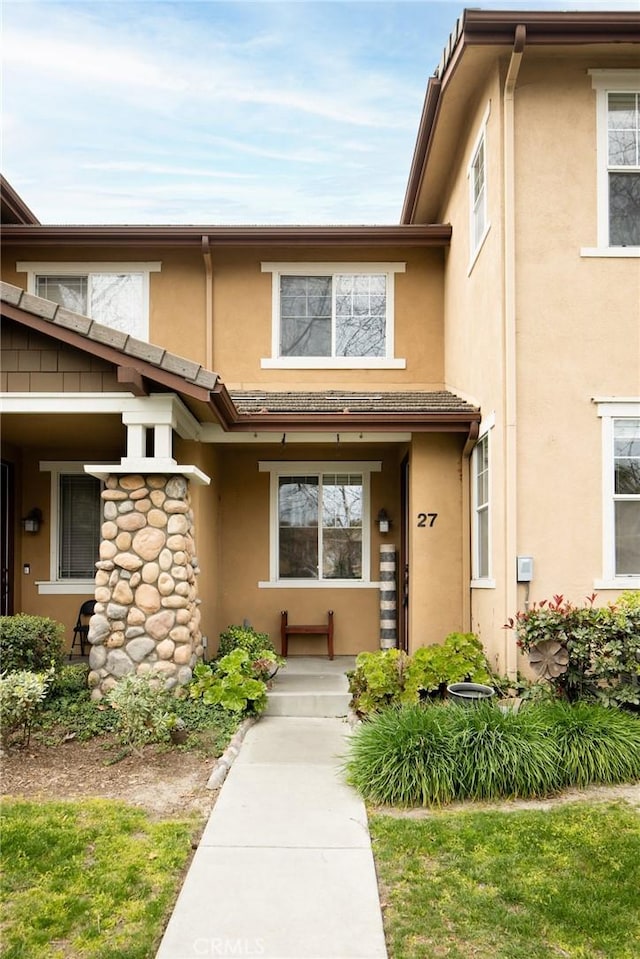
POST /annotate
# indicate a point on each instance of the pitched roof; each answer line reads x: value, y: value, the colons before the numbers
x: 13, y: 209
x: 350, y: 401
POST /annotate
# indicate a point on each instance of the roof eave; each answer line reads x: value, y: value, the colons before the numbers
x: 415, y: 235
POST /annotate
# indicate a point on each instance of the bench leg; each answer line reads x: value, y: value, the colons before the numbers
x: 330, y: 634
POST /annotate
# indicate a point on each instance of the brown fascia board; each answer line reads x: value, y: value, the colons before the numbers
x: 147, y: 371
x: 236, y: 422
x: 487, y: 27
x: 14, y: 206
x: 416, y: 235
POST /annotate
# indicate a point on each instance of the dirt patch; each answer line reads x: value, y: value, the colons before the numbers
x: 164, y: 781
x: 627, y: 793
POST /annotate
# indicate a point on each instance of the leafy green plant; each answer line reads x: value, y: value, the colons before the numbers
x: 69, y: 681
x: 143, y: 708
x: 389, y: 677
x: 460, y: 658
x: 602, y: 643
x: 230, y: 682
x: 22, y: 695
x: 244, y: 637
x: 404, y: 756
x: 31, y: 643
x: 596, y: 744
x: 377, y: 680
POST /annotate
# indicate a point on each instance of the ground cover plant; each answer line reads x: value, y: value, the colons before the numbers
x: 427, y: 754
x: 527, y: 884
x: 91, y: 878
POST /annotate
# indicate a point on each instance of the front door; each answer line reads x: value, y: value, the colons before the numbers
x: 6, y: 539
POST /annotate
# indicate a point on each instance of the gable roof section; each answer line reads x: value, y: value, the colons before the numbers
x: 13, y: 209
x: 483, y: 34
x: 139, y: 362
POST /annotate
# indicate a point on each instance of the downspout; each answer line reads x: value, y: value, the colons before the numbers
x: 509, y: 347
x: 472, y: 439
x: 208, y: 303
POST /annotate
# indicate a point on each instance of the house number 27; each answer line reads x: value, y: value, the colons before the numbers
x: 427, y: 519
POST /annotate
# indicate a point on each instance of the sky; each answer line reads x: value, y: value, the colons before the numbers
x: 221, y: 112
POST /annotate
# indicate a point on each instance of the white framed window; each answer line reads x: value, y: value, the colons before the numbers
x: 481, y: 566
x: 76, y: 516
x: 618, y: 162
x: 477, y: 177
x: 621, y: 494
x: 320, y: 527
x: 115, y: 294
x: 333, y: 316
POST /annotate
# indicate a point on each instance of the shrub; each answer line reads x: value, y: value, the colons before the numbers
x: 32, y: 643
x: 69, y: 681
x: 390, y: 677
x: 460, y: 658
x: 503, y: 753
x: 143, y: 708
x: 22, y: 694
x: 602, y: 646
x: 404, y: 756
x: 244, y: 637
x: 230, y: 682
x: 596, y: 744
x: 377, y: 680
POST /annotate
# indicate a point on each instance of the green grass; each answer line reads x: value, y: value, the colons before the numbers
x: 94, y: 879
x: 553, y: 884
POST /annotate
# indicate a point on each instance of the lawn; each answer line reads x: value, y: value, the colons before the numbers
x: 94, y: 878
x: 560, y: 883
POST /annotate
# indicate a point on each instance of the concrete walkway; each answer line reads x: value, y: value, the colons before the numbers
x: 284, y: 869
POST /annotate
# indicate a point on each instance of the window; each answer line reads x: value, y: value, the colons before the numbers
x: 76, y: 515
x: 320, y: 531
x: 115, y: 294
x: 621, y: 486
x: 618, y: 122
x: 477, y: 174
x: 333, y: 315
x: 481, y: 508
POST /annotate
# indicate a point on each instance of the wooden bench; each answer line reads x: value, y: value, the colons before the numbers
x: 286, y: 630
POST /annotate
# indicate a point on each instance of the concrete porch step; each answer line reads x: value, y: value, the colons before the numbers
x: 311, y: 686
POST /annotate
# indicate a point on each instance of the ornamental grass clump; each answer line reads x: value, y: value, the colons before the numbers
x: 502, y: 753
x: 596, y: 744
x: 405, y: 757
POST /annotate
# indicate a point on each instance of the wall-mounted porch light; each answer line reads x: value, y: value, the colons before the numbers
x: 32, y: 522
x: 383, y: 521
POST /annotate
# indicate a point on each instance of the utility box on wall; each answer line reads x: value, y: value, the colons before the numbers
x: 525, y: 569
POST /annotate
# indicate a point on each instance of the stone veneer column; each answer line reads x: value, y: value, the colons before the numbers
x: 146, y: 620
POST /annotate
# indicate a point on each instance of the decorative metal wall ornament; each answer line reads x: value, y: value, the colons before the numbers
x: 549, y: 658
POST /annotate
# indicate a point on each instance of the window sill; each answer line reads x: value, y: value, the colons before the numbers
x: 628, y: 252
x: 618, y: 582
x: 483, y: 584
x: 72, y: 587
x: 329, y: 363
x: 318, y: 584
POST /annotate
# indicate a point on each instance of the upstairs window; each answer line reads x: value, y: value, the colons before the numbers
x: 333, y: 315
x: 623, y: 165
x: 618, y: 161
x: 477, y: 176
x: 114, y: 294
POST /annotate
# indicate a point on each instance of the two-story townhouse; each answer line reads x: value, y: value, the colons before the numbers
x: 472, y: 375
x: 529, y: 146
